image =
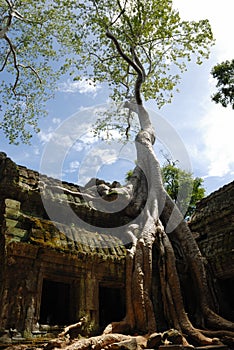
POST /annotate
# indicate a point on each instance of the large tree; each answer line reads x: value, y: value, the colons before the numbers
x: 139, y: 47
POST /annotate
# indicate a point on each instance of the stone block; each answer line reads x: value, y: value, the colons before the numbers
x: 154, y: 341
x: 12, y: 213
x: 12, y: 229
x: 11, y: 203
x: 10, y: 223
x: 130, y: 344
x: 5, y: 338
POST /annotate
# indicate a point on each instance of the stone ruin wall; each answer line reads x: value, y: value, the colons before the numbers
x: 213, y: 228
x: 32, y: 250
x: 35, y: 254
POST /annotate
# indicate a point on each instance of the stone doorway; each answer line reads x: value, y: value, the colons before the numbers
x: 111, y: 305
x: 226, y: 300
x: 55, y: 303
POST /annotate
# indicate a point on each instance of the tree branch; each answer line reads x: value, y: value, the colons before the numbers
x: 32, y: 69
x: 135, y: 66
x: 127, y: 18
x: 12, y: 50
x: 122, y: 54
x: 3, y: 35
x: 129, y: 124
x: 138, y: 62
x: 5, y: 61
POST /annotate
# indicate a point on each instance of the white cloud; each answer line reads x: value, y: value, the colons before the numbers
x: 212, y: 124
x: 56, y: 120
x: 220, y: 17
x: 80, y: 146
x: 217, y: 133
x: 94, y: 160
x: 83, y: 86
x: 73, y: 167
x: 45, y: 136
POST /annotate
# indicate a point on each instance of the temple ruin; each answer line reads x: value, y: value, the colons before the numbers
x: 53, y: 275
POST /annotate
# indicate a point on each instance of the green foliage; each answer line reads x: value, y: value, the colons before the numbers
x: 185, y: 190
x: 37, y: 36
x: 224, y: 73
x: 34, y: 35
x: 148, y: 32
x: 129, y: 175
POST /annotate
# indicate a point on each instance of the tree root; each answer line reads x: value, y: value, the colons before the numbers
x: 98, y: 342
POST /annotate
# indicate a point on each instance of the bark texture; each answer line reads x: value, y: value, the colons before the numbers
x: 160, y: 224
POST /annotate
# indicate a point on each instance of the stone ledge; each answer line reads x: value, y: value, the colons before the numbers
x: 182, y: 347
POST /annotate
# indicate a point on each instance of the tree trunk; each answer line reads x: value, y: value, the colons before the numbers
x: 160, y: 224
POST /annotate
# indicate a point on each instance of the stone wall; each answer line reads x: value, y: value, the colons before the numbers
x: 37, y: 255
x: 213, y: 227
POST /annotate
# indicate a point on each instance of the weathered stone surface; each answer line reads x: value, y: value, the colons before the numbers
x: 5, y: 337
x: 213, y: 223
x: 35, y: 254
x: 173, y: 336
x: 55, y: 344
x: 213, y: 227
x: 130, y: 344
x: 155, y: 339
x: 81, y: 261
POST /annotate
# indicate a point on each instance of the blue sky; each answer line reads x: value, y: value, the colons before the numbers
x: 200, y: 132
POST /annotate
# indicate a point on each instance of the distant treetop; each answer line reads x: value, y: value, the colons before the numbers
x: 224, y: 73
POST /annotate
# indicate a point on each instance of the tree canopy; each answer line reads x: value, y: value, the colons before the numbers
x: 35, y: 36
x: 224, y: 73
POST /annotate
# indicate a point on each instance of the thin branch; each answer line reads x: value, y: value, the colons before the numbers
x: 122, y: 54
x: 102, y: 59
x: 129, y: 125
x: 3, y: 30
x: 14, y: 13
x: 119, y: 15
x: 9, y: 4
x: 138, y: 62
x: 5, y: 61
x: 15, y: 62
x: 126, y: 17
x: 134, y: 65
x: 149, y: 58
x: 16, y: 66
x: 160, y: 57
x: 32, y: 69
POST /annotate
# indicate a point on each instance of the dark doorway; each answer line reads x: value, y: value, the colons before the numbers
x: 111, y: 305
x: 55, y: 303
x: 226, y: 300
